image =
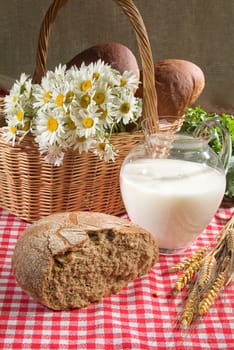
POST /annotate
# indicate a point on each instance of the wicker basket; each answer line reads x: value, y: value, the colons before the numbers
x: 30, y: 188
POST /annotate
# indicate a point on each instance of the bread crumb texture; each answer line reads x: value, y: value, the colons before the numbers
x: 70, y: 260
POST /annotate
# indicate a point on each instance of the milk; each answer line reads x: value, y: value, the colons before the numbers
x: 173, y: 199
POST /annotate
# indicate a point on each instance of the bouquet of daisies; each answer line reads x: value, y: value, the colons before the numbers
x: 72, y: 109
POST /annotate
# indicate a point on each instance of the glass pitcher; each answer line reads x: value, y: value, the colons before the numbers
x: 172, y: 184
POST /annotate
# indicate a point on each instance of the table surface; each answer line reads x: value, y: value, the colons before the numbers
x: 132, y: 319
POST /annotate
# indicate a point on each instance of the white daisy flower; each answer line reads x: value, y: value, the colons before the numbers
x: 84, y: 144
x: 83, y: 81
x: 10, y: 133
x: 87, y: 123
x: 84, y: 100
x: 98, y: 69
x: 106, y: 116
x: 57, y: 75
x: 42, y: 94
x: 126, y: 108
x: 19, y: 95
x: 103, y: 95
x: 62, y: 97
x: 128, y: 80
x: 49, y: 128
x: 53, y: 154
x: 101, y: 71
x: 72, y: 74
x: 105, y: 150
x: 69, y: 132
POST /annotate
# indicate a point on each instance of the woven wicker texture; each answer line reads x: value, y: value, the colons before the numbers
x: 30, y: 188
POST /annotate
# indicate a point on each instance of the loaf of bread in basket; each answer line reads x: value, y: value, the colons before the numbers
x: 70, y: 260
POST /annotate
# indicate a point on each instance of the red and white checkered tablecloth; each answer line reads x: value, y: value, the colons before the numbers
x: 133, y: 319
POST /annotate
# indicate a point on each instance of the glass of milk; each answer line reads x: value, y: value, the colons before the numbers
x: 172, y: 185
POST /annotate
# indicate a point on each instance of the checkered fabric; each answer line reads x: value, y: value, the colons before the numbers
x: 132, y: 319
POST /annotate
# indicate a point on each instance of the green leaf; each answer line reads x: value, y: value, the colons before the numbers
x: 194, y: 117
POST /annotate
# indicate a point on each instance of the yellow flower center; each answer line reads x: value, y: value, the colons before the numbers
x: 87, y: 122
x: 52, y: 124
x: 86, y: 85
x: 85, y: 101
x: 102, y: 146
x: 69, y: 96
x: 26, y: 126
x: 47, y: 96
x: 19, y: 115
x: 123, y: 81
x: 71, y: 124
x: 99, y: 97
x: 13, y: 129
x: 81, y: 138
x: 96, y: 75
x: 14, y: 99
x: 125, y: 107
x: 59, y: 100
x: 103, y: 114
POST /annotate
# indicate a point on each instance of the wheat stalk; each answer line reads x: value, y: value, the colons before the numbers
x: 207, y: 271
x: 187, y: 275
x: 190, y: 308
x: 187, y: 262
x: 211, y: 294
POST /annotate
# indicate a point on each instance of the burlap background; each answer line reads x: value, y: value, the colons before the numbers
x: 197, y: 30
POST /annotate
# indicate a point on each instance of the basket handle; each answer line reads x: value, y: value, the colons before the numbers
x: 149, y: 92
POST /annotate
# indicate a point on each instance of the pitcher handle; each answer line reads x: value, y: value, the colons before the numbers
x: 206, y: 131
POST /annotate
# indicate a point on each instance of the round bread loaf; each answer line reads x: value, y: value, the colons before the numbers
x: 117, y: 55
x: 70, y: 260
x: 178, y: 83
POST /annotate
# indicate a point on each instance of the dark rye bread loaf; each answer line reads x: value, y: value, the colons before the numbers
x: 70, y: 260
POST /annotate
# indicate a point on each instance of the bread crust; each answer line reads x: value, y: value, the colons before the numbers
x: 69, y: 260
